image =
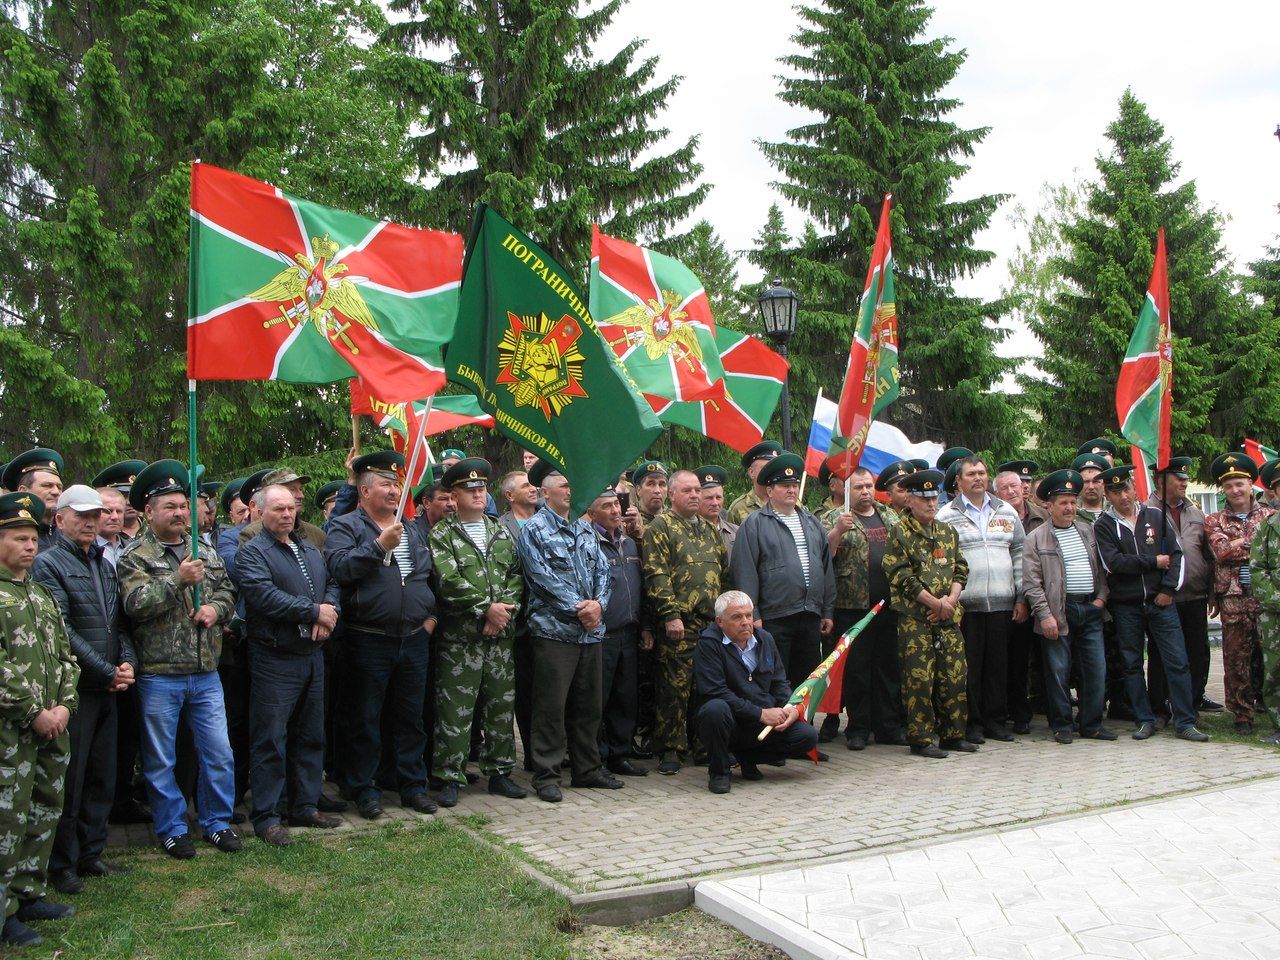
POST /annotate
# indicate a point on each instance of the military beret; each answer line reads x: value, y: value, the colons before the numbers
x: 539, y: 472
x: 470, y: 473
x: 1089, y: 461
x: 784, y: 468
x: 1060, y: 481
x: 41, y: 458
x: 327, y: 492
x: 453, y: 453
x: 1117, y: 477
x: 284, y: 475
x: 1097, y: 445
x: 764, y: 450
x: 923, y: 483
x: 231, y: 492
x: 163, y: 476
x: 648, y: 469
x: 1233, y: 465
x: 951, y: 455
x: 895, y: 472
x: 712, y: 475
x: 385, y: 463
x: 1177, y: 466
x: 20, y: 510
x: 1268, y: 473
x: 120, y: 475
x: 1026, y: 469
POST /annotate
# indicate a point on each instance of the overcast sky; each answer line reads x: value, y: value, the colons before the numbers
x: 1046, y: 78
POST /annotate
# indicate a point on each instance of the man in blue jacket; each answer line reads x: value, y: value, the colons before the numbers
x: 743, y: 686
x: 291, y: 607
x: 383, y: 568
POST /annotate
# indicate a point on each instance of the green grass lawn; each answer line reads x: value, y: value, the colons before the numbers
x: 1221, y: 726
x: 416, y: 892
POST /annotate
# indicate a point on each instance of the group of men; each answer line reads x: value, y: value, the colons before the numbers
x: 257, y: 656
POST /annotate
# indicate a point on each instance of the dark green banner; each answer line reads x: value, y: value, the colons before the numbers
x: 527, y: 347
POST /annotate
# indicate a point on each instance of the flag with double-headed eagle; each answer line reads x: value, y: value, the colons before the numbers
x: 284, y: 289
x: 871, y: 378
x: 1144, y: 389
x: 654, y: 313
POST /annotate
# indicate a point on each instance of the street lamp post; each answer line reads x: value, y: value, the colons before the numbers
x: 778, y: 308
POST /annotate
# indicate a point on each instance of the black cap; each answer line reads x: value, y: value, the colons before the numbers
x: 327, y: 492
x: 120, y: 475
x: 712, y: 475
x: 20, y: 510
x: 764, y: 450
x: 649, y: 468
x: 471, y: 473
x: 1177, y: 466
x: 1233, y: 465
x: 1089, y: 461
x: 1097, y: 445
x: 784, y: 468
x: 163, y: 476
x: 923, y: 483
x: 385, y: 463
x: 1025, y: 469
x: 40, y: 458
x: 1117, y: 477
x: 539, y: 472
x: 951, y: 455
x: 1060, y: 481
x: 231, y: 492
x: 895, y: 472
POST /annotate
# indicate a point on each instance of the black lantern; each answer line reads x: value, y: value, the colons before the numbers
x: 778, y: 309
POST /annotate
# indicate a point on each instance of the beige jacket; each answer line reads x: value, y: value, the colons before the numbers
x: 1044, y: 575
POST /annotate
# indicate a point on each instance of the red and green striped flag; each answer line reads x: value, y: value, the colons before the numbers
x: 447, y: 413
x: 871, y: 378
x: 738, y: 413
x: 1144, y: 389
x: 284, y: 289
x: 1259, y: 453
x: 654, y: 313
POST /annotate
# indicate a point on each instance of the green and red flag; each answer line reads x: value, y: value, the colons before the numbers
x: 447, y: 413
x: 285, y: 289
x: 1259, y: 453
x: 527, y: 346
x: 821, y: 692
x: 738, y: 413
x: 1144, y: 389
x: 871, y: 378
x: 655, y: 315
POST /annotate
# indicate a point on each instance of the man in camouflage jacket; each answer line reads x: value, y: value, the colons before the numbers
x: 478, y: 586
x: 38, y: 676
x: 1264, y: 569
x: 685, y: 564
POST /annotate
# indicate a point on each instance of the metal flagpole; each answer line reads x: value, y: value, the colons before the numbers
x: 412, y: 466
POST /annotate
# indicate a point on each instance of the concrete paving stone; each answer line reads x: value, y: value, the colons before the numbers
x: 1100, y: 946
x: 1266, y: 948
x: 1057, y: 947
x: 1167, y: 947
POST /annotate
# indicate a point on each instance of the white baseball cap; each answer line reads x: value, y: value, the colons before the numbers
x: 80, y: 498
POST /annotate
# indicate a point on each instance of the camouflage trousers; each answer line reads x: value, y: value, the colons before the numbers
x: 481, y: 669
x: 1239, y: 637
x: 1269, y: 633
x: 32, y: 774
x: 674, y: 689
x: 934, y: 680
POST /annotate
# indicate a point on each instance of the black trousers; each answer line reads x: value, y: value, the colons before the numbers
x: 1194, y: 617
x: 723, y: 734
x: 986, y: 649
x: 1022, y: 641
x: 286, y: 714
x: 523, y: 650
x: 128, y: 747
x: 81, y: 834
x: 872, y: 686
x: 384, y: 673
x: 799, y: 644
x: 618, y: 690
x: 566, y: 709
x: 233, y: 671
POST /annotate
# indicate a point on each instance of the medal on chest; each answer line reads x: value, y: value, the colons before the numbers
x: 939, y: 555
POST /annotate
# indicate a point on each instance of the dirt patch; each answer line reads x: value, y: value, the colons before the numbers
x: 687, y: 935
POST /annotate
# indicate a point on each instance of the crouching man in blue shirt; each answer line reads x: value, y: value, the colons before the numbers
x: 742, y: 687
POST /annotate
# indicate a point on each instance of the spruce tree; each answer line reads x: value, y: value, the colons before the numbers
x: 1109, y: 249
x: 539, y: 126
x: 875, y: 82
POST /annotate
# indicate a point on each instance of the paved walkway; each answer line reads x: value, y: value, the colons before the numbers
x: 1196, y: 876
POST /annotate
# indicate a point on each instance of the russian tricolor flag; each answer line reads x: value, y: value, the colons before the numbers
x: 824, y: 426
x: 885, y: 443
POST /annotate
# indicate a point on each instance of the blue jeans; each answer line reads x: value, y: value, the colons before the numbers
x: 163, y: 699
x: 1133, y: 622
x: 1083, y: 642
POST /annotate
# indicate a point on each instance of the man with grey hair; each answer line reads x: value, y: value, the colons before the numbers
x: 294, y: 483
x: 742, y: 688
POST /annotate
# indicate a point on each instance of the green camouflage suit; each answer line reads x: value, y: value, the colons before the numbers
x: 37, y: 672
x: 853, y: 587
x: 685, y: 564
x: 743, y: 506
x: 1264, y: 575
x: 934, y: 673
x: 469, y: 665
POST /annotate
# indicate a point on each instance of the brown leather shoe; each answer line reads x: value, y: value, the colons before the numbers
x: 276, y: 835
x: 317, y: 820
